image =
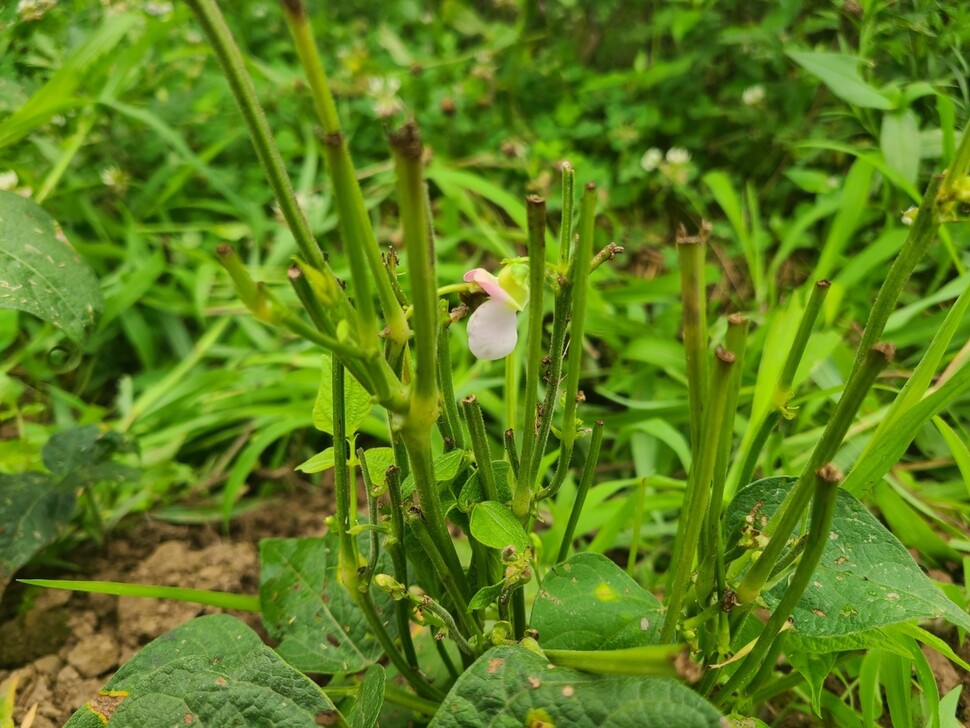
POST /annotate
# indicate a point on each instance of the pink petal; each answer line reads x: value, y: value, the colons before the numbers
x: 488, y: 283
x: 491, y: 330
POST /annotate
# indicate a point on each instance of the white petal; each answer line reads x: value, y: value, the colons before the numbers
x: 491, y: 330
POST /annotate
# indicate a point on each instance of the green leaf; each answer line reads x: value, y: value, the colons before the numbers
x: 472, y: 492
x: 370, y: 699
x: 378, y: 460
x: 33, y: 508
x: 900, y: 143
x: 815, y: 668
x: 485, y: 596
x: 494, y: 525
x: 866, y: 578
x: 590, y: 603
x: 212, y: 671
x: 318, y: 463
x: 357, y: 402
x: 41, y: 272
x: 445, y: 466
x: 841, y: 74
x: 511, y: 687
x: 304, y: 606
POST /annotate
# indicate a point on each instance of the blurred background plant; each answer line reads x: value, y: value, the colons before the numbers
x: 801, y: 130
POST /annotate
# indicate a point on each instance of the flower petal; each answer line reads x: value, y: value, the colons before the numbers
x: 488, y: 283
x: 491, y: 330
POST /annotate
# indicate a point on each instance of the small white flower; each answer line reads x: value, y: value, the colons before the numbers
x: 909, y: 216
x: 753, y: 95
x: 678, y: 155
x: 384, y: 92
x: 34, y: 9
x: 159, y: 9
x: 651, y: 159
x: 8, y: 180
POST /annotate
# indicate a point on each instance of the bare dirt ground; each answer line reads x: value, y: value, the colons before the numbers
x: 67, y: 645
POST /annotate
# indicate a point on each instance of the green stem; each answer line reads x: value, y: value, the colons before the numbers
x: 519, y: 619
x: 395, y: 547
x: 783, y: 522
x: 958, y: 167
x: 579, y: 283
x: 372, y: 493
x: 536, y: 215
x: 783, y: 388
x: 638, y: 514
x: 447, y: 385
x: 511, y: 453
x: 691, y: 251
x: 511, y: 393
x: 585, y: 481
x: 349, y: 559
x: 428, y: 604
x: 697, y: 495
x: 234, y: 67
x: 566, y: 221
x: 921, y: 236
x: 483, y: 457
x: 826, y: 487
x: 360, y: 243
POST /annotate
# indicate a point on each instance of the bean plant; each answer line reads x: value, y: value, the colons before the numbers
x: 431, y: 598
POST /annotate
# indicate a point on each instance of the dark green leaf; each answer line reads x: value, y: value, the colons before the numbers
x: 212, y: 671
x: 41, y: 272
x: 589, y: 603
x: 511, y: 687
x: 304, y: 606
x: 486, y: 595
x: 494, y: 525
x: 33, y: 508
x: 866, y: 578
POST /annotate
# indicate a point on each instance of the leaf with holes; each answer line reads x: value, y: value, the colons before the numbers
x: 589, y: 603
x: 40, y: 272
x: 866, y: 578
x: 304, y: 606
x: 511, y: 686
x: 212, y: 671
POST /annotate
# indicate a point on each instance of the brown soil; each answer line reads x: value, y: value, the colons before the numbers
x: 68, y: 645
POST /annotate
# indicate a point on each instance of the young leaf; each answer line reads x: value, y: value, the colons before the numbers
x: 589, y: 603
x: 370, y: 699
x: 494, y: 525
x: 485, y: 596
x: 41, y: 273
x: 445, y: 466
x: 213, y: 670
x: 472, y: 493
x: 356, y: 400
x: 304, y: 606
x: 841, y: 74
x: 866, y: 578
x: 513, y: 686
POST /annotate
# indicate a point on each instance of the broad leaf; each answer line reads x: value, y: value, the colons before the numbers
x: 899, y: 142
x: 357, y: 402
x: 212, y: 671
x: 304, y: 606
x: 866, y: 578
x: 41, y: 272
x: 511, y: 687
x: 494, y: 525
x: 589, y: 603
x: 33, y: 509
x: 841, y: 74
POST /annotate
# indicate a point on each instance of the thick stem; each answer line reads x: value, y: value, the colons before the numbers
x: 445, y: 381
x: 691, y: 251
x: 655, y: 660
x: 360, y: 243
x: 697, y: 495
x: 585, y: 481
x: 783, y: 522
x: 826, y: 487
x: 536, y: 211
x: 566, y: 221
x: 483, y: 457
x: 395, y: 547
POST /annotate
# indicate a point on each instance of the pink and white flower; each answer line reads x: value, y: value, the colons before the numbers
x: 492, y: 327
